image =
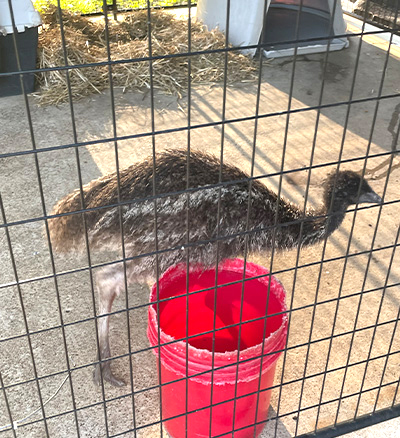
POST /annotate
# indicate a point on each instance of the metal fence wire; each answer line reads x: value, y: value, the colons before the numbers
x: 381, y: 12
x: 219, y: 170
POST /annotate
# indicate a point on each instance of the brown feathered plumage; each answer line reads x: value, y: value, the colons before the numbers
x: 189, y: 220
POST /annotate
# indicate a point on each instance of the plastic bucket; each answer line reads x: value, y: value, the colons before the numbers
x: 195, y: 369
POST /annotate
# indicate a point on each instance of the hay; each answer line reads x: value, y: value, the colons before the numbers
x: 86, y: 43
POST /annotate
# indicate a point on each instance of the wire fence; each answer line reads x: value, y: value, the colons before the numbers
x: 195, y: 193
x: 379, y: 12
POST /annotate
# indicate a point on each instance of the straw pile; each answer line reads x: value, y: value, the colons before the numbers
x: 86, y: 42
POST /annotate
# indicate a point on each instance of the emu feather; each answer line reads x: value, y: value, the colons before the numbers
x: 270, y: 222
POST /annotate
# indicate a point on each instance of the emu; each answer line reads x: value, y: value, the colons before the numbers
x: 212, y: 221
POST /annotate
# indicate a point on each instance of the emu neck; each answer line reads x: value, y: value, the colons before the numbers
x: 326, y: 221
x: 294, y: 227
x: 334, y: 220
x: 335, y: 213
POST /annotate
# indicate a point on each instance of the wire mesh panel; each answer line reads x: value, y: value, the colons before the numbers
x: 254, y: 200
x: 380, y: 12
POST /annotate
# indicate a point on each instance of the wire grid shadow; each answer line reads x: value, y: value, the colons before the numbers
x: 297, y: 121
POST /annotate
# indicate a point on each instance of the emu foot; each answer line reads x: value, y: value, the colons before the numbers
x: 104, y: 370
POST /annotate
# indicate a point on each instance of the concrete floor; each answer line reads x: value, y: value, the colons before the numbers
x: 52, y: 127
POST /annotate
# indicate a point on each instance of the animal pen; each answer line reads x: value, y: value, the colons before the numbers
x: 152, y: 155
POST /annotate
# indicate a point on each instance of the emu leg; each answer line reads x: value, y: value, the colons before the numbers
x: 109, y: 282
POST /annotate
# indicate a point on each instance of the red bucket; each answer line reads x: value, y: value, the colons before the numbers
x: 195, y: 369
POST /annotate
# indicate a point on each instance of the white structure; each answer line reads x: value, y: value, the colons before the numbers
x: 25, y: 16
x: 318, y: 19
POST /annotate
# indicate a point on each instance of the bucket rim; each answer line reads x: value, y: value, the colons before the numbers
x: 169, y: 346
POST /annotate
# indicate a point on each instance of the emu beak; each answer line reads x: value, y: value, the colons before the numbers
x: 369, y: 198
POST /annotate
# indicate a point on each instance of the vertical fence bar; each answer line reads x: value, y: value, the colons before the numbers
x: 10, y: 416
x: 218, y: 228
x: 153, y: 142
x: 260, y: 68
x: 121, y: 225
x: 189, y: 121
x: 290, y: 307
x: 318, y: 115
x: 26, y: 326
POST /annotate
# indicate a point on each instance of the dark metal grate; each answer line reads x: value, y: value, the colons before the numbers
x: 39, y: 415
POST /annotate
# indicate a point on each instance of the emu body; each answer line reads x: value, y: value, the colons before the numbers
x: 212, y: 221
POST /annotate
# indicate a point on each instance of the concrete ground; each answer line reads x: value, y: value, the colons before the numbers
x: 373, y: 228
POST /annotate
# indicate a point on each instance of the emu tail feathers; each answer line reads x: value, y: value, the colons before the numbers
x: 67, y: 231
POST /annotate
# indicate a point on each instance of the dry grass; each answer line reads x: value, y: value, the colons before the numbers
x: 86, y: 42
